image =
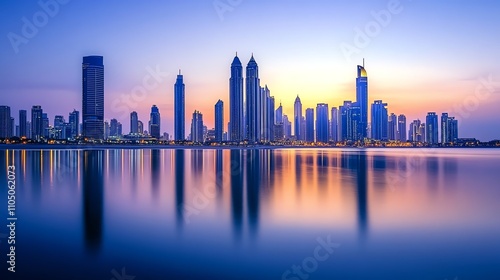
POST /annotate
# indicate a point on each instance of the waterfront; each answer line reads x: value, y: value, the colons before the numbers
x: 254, y: 214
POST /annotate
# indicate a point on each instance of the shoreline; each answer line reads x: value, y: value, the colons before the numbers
x: 180, y: 147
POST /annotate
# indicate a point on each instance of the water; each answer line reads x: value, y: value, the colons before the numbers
x: 254, y: 214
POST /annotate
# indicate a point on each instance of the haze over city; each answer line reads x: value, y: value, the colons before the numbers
x: 420, y: 56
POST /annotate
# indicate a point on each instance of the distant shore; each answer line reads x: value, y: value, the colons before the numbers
x: 185, y: 147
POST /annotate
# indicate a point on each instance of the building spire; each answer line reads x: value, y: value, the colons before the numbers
x: 363, y: 62
x: 179, y: 71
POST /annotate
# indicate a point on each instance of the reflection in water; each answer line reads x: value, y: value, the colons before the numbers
x: 254, y: 164
x: 179, y: 186
x: 236, y: 191
x: 197, y: 162
x: 219, y: 173
x: 93, y: 161
x: 432, y: 165
x: 362, y: 194
x: 155, y: 172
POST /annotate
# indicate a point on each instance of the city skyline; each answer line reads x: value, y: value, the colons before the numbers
x: 438, y: 79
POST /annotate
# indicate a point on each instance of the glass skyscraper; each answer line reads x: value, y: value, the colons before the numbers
x: 5, y: 122
x: 379, y: 120
x: 219, y: 120
x: 36, y: 122
x: 322, y: 123
x: 197, y: 127
x: 402, y: 128
x: 179, y: 109
x: 236, y: 111
x: 334, y: 124
x: 431, y: 128
x: 134, y: 123
x: 309, y: 125
x: 449, y: 129
x: 74, y: 121
x: 297, y: 118
x: 362, y: 100
x: 93, y: 97
x: 155, y: 122
x: 23, y: 130
x: 253, y: 102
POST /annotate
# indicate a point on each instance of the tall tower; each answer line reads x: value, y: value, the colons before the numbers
x: 5, y: 122
x: 93, y: 97
x: 362, y: 99
x: 134, y: 122
x: 179, y: 109
x: 309, y: 125
x: 297, y: 118
x: 431, y: 128
x: 322, y: 123
x: 74, y: 121
x: 197, y: 127
x: 253, y: 101
x: 379, y: 120
x: 36, y: 122
x: 155, y: 122
x: 402, y: 128
x: 334, y: 124
x: 219, y: 120
x: 23, y: 130
x: 236, y: 113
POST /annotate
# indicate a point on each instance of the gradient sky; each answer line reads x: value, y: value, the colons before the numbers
x: 430, y: 56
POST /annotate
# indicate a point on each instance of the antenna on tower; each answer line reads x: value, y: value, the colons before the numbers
x: 363, y: 62
x: 179, y: 71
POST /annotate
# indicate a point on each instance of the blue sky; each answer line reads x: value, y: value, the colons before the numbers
x: 428, y: 56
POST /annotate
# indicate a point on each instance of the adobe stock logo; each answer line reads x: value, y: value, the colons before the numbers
x: 310, y: 264
x: 31, y: 27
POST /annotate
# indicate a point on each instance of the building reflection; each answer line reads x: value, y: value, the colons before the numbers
x: 219, y: 170
x: 236, y: 191
x: 179, y: 186
x: 93, y: 161
x: 254, y: 163
x: 155, y: 172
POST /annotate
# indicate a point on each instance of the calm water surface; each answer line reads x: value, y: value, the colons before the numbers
x: 255, y: 214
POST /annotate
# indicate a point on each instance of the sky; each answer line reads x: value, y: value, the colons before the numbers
x: 421, y: 56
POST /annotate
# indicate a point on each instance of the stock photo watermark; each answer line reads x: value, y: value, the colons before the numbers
x: 310, y: 264
x: 363, y: 36
x: 224, y: 6
x: 32, y: 25
x: 121, y: 276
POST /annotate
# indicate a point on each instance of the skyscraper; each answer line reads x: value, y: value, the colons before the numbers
x: 449, y: 129
x: 219, y: 120
x: 393, y: 127
x: 45, y: 124
x: 23, y: 130
x: 287, y: 127
x: 197, y: 134
x: 36, y: 122
x: 322, y: 123
x: 379, y: 120
x: 179, y: 108
x: 134, y: 122
x: 270, y: 118
x: 343, y: 109
x: 113, y: 128
x: 309, y: 125
x: 362, y: 99
x: 5, y: 122
x: 334, y: 124
x: 431, y: 128
x: 140, y: 127
x: 74, y: 121
x: 279, y: 114
x: 236, y: 113
x: 297, y: 118
x: 353, y: 115
x: 402, y: 128
x: 253, y: 102
x: 93, y: 97
x: 155, y: 122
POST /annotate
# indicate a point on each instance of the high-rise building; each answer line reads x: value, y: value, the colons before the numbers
x: 362, y: 99
x: 342, y: 128
x: 402, y: 128
x: 236, y: 112
x: 45, y: 124
x: 379, y: 120
x: 421, y: 133
x: 155, y: 122
x: 414, y: 133
x: 36, y: 123
x: 219, y: 120
x: 59, y: 122
x: 279, y: 115
x: 322, y: 123
x: 93, y: 97
x: 106, y: 130
x: 392, y: 127
x: 270, y: 118
x: 334, y: 124
x: 113, y: 128
x: 5, y: 122
x: 253, y: 102
x: 353, y: 122
x: 23, y: 130
x: 140, y: 127
x: 431, y: 129
x: 134, y: 121
x: 297, y: 118
x: 179, y: 109
x: 74, y: 121
x: 449, y: 129
x: 197, y: 134
x: 309, y: 125
x: 287, y: 127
